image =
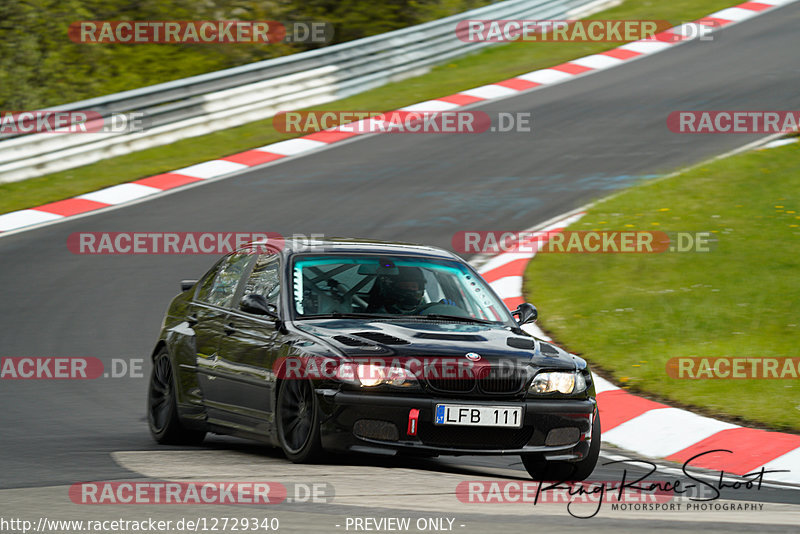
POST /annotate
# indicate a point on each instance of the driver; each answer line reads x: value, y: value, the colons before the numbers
x: 401, y: 293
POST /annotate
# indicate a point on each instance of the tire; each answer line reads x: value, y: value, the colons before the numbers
x: 162, y: 408
x: 540, y: 469
x: 297, y: 417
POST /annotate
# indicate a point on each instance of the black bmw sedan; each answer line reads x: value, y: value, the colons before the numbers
x: 373, y: 347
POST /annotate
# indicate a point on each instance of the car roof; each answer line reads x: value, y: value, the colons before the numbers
x: 298, y: 245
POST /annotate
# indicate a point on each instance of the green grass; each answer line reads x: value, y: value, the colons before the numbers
x: 630, y: 313
x: 491, y: 65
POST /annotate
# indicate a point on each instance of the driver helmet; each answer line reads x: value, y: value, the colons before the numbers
x: 403, y: 291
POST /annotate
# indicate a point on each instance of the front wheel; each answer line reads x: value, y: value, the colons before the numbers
x: 540, y: 469
x: 298, y: 421
x: 162, y: 408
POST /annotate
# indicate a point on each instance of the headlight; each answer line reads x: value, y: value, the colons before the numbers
x: 375, y: 375
x: 562, y: 382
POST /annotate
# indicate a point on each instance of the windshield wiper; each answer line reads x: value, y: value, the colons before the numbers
x: 339, y: 315
x: 435, y: 316
x: 446, y: 317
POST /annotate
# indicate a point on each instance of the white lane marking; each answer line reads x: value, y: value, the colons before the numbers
x: 545, y: 76
x: 489, y: 91
x: 290, y: 147
x: 663, y: 431
x: 119, y: 194
x: 598, y: 61
x: 734, y: 13
x: 789, y: 461
x: 647, y: 47
x: 500, y: 260
x: 211, y: 169
x: 601, y: 384
x: 508, y: 286
x: 430, y: 105
x: 18, y: 219
x: 781, y: 142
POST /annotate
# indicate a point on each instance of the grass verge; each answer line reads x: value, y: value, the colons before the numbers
x: 490, y: 65
x: 630, y: 313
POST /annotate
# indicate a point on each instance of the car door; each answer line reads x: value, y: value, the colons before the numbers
x: 210, y: 310
x: 248, y: 350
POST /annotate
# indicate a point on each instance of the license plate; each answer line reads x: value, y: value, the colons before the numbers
x: 466, y: 415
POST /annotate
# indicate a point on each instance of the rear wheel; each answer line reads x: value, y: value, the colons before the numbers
x: 540, y: 469
x: 298, y: 421
x: 162, y: 409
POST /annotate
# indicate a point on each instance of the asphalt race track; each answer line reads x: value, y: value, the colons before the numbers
x: 590, y: 137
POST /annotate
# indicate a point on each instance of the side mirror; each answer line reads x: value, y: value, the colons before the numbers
x: 526, y: 313
x: 186, y: 285
x: 257, y: 305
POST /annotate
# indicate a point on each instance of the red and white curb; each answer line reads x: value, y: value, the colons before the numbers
x: 148, y: 187
x: 647, y: 427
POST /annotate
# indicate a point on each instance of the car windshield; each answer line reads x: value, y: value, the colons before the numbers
x: 382, y: 286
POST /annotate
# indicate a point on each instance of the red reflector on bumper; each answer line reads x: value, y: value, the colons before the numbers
x: 413, y: 421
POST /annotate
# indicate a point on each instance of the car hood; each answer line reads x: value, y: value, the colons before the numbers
x: 360, y: 338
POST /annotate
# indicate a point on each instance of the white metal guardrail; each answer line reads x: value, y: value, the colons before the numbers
x: 215, y: 101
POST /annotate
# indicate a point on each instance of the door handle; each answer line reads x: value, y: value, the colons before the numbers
x: 229, y: 329
x: 192, y: 319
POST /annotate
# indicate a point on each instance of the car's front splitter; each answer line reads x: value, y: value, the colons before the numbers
x: 557, y: 429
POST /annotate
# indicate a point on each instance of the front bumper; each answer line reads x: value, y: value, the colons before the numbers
x: 558, y: 429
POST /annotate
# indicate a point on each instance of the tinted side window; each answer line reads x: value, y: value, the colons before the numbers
x: 219, y: 292
x: 205, y: 282
x: 265, y: 278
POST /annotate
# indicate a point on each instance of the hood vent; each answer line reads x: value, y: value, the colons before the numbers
x: 547, y: 349
x: 521, y: 343
x: 349, y: 341
x: 450, y: 337
x: 380, y: 337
